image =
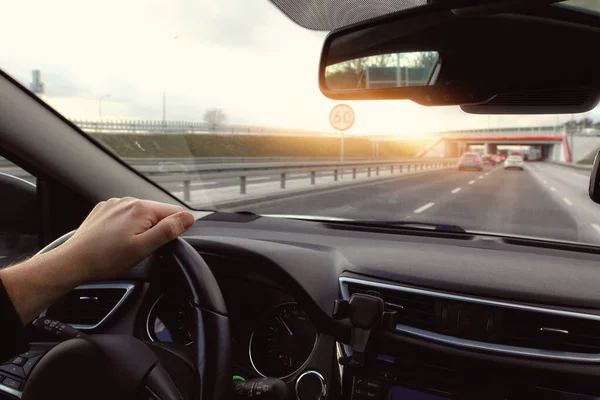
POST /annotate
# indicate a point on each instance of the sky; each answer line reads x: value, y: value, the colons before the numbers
x: 242, y: 56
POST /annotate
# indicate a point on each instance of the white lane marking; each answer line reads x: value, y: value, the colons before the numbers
x: 553, y: 189
x: 425, y: 207
x: 456, y: 190
x: 480, y: 176
x: 471, y: 182
x: 486, y: 174
x: 569, y: 202
x: 596, y: 227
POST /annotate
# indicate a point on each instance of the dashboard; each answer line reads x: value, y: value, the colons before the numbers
x: 462, y: 316
x: 272, y: 335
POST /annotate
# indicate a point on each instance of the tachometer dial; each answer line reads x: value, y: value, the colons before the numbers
x: 282, y: 342
x: 170, y: 320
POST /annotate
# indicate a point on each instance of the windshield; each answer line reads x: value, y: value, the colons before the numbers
x: 218, y: 104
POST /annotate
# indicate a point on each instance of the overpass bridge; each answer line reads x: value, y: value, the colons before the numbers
x: 556, y: 143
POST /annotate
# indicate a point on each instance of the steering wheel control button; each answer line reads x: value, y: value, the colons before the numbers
x: 19, y: 361
x: 28, y: 366
x: 13, y: 369
x: 11, y: 383
x: 32, y: 353
x: 311, y: 385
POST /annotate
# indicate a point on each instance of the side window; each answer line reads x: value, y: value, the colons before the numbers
x: 18, y: 222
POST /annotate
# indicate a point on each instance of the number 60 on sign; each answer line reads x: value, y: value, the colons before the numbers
x: 341, y: 117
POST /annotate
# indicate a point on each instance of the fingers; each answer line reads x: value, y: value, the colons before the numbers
x: 155, y: 210
x: 164, y: 231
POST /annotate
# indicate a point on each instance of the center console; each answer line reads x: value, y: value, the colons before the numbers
x: 379, y: 367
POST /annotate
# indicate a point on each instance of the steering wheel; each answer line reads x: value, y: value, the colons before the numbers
x: 108, y: 366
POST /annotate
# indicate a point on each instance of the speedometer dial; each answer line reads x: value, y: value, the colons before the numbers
x: 170, y: 320
x: 283, y: 341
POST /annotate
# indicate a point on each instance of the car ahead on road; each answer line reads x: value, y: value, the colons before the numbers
x: 514, y: 162
x: 489, y: 159
x: 470, y: 161
x: 408, y: 283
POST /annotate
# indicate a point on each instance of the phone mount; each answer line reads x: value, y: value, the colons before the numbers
x: 367, y: 315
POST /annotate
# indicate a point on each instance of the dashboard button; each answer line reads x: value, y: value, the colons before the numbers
x: 470, y: 323
x: 13, y: 369
x: 311, y: 385
x: 365, y: 394
x: 368, y: 383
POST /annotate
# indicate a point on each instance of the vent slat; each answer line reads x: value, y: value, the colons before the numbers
x: 523, y: 328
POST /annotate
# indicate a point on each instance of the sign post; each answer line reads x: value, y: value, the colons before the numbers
x: 341, y: 118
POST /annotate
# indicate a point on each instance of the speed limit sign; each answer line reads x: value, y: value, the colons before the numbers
x: 341, y: 117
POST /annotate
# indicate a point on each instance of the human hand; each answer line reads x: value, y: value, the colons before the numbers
x: 119, y: 233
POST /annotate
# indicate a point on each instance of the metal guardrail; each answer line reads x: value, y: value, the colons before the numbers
x: 373, y: 169
x: 148, y: 127
x: 241, y: 171
x: 587, y: 167
x: 222, y: 168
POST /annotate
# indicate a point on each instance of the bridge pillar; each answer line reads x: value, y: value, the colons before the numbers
x: 489, y: 148
x: 451, y: 149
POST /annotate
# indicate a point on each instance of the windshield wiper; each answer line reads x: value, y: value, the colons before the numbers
x: 418, y: 225
x: 406, y: 224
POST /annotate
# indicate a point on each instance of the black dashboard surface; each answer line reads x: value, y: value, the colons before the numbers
x: 262, y: 263
x: 314, y: 254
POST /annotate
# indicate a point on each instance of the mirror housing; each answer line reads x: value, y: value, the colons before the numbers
x: 515, y: 72
x: 594, y: 188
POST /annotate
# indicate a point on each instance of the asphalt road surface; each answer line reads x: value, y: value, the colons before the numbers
x: 544, y: 200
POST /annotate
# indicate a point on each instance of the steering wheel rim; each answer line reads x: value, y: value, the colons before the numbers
x: 212, y: 336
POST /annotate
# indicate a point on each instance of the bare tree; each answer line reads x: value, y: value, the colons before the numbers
x: 214, y: 117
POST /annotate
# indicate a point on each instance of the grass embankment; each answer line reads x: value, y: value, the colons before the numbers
x: 190, y: 145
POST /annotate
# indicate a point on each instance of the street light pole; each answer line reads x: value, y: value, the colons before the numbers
x: 341, y: 146
x: 164, y: 107
x: 100, y: 104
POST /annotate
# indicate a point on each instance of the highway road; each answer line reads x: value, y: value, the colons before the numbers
x: 544, y: 200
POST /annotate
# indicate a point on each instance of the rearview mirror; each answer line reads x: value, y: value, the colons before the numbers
x: 430, y: 55
x: 390, y: 70
x: 594, y: 189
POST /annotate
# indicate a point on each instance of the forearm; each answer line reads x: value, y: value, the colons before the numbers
x: 38, y: 282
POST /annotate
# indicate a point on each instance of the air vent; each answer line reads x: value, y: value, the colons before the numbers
x: 414, y: 309
x: 86, y: 307
x: 489, y: 325
x: 550, y: 332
